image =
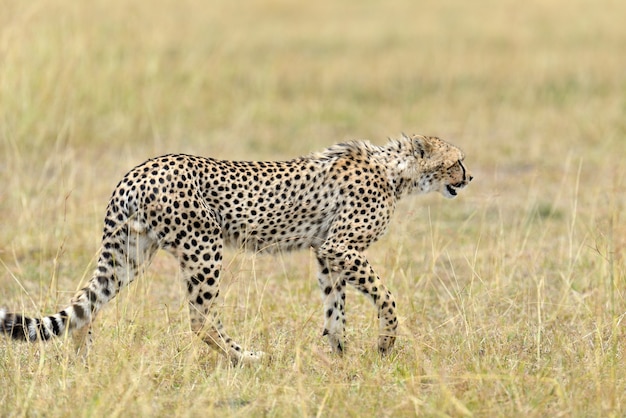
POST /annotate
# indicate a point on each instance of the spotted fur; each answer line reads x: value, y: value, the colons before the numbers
x: 336, y: 202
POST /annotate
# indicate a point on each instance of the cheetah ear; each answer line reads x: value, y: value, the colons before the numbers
x: 421, y: 146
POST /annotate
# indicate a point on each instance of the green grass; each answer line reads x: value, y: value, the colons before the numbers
x: 511, y: 297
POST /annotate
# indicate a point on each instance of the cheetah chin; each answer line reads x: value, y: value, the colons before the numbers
x: 452, y: 190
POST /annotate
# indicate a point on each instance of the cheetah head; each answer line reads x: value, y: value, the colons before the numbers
x: 440, y: 165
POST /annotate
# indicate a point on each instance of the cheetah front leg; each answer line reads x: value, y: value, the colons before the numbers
x: 334, y: 299
x: 352, y: 267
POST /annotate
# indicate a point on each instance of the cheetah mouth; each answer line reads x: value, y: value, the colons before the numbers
x: 451, y: 189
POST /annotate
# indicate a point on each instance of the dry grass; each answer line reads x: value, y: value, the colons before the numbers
x: 511, y: 297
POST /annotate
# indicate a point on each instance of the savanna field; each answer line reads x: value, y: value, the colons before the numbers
x: 512, y: 297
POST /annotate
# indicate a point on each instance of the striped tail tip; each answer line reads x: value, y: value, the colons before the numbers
x: 14, y: 325
x: 22, y: 328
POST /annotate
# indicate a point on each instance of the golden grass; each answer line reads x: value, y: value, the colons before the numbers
x: 511, y: 297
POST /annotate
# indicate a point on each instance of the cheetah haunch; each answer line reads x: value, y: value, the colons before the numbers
x: 336, y: 202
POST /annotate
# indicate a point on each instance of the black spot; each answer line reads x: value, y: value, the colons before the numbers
x: 79, y: 311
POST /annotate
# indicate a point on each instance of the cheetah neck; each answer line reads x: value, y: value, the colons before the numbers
x: 403, y: 170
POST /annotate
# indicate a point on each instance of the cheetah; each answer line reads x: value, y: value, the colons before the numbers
x: 336, y: 202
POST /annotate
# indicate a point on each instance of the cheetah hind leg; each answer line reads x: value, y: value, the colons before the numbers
x: 202, y: 291
x: 213, y: 334
x: 83, y: 340
x: 200, y: 259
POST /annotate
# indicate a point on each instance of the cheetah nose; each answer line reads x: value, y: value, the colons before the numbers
x: 471, y: 177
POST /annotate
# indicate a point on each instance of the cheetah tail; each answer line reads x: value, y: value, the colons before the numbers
x: 20, y: 327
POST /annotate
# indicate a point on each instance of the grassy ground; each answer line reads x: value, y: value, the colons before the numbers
x: 512, y: 297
